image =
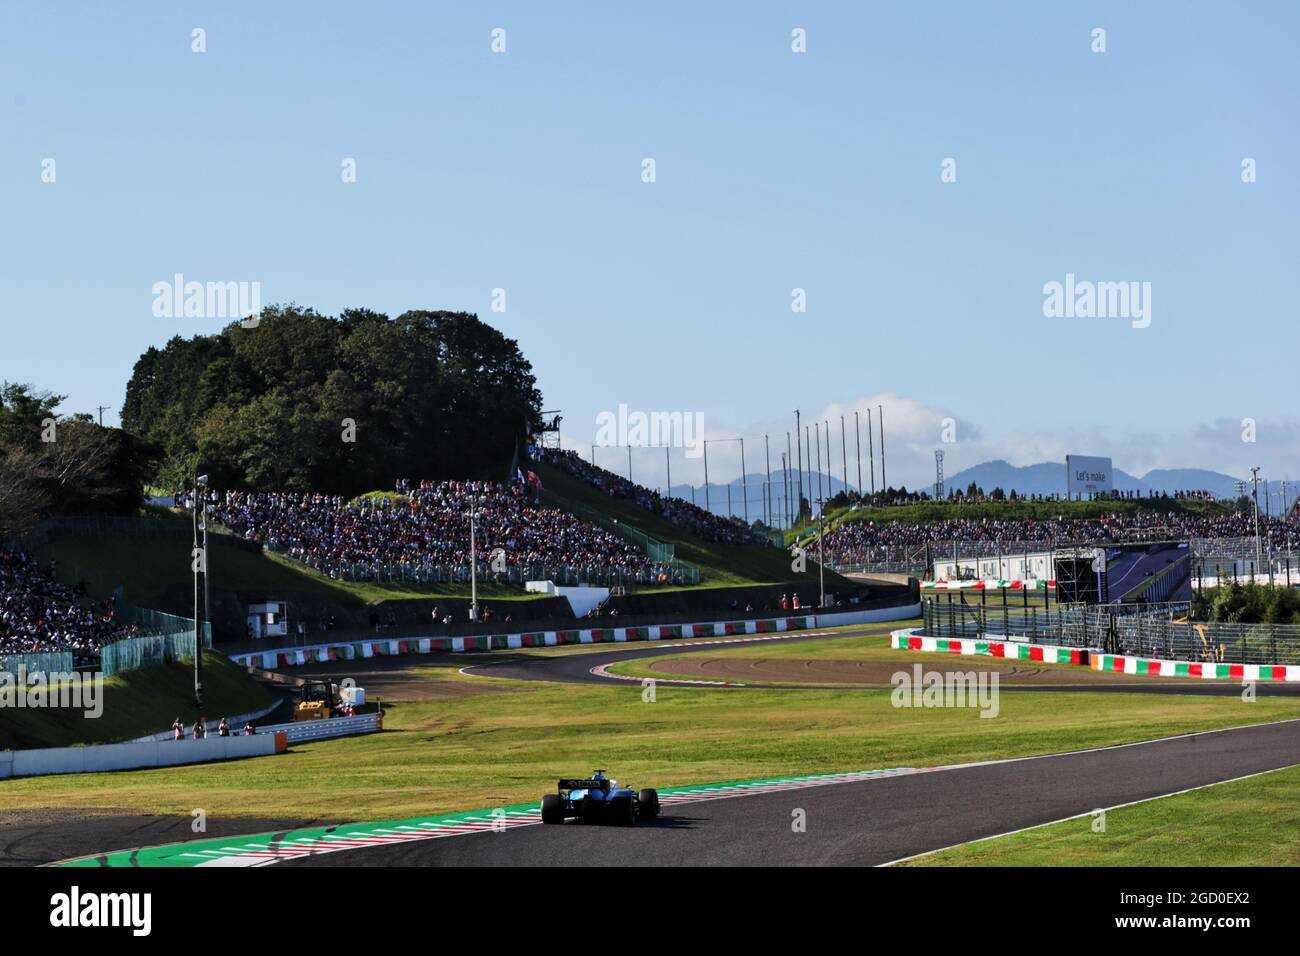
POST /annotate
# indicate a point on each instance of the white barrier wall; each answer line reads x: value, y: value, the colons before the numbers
x: 132, y: 756
x: 380, y: 647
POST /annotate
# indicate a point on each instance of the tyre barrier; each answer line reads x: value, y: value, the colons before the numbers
x: 358, y: 650
x: 909, y: 639
x: 280, y: 657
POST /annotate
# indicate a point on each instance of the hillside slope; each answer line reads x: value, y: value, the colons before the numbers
x: 721, y: 565
x: 136, y: 703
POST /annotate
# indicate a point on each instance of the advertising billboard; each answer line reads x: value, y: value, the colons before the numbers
x: 1087, y: 476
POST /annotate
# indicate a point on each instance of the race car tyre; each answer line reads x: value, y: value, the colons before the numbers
x: 622, y: 811
x: 649, y: 800
x: 552, y: 808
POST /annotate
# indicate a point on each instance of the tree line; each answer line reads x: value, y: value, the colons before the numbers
x: 52, y: 464
x: 290, y: 400
x: 295, y: 400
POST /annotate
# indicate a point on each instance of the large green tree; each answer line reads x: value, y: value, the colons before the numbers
x: 53, y: 464
x: 425, y: 395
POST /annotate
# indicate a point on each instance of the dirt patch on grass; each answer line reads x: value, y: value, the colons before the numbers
x: 876, y: 673
x: 397, y: 678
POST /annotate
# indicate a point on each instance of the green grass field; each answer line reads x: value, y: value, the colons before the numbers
x: 147, y: 569
x: 506, y: 741
x: 868, y: 647
x: 1252, y: 822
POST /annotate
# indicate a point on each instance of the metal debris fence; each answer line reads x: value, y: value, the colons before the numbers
x: 42, y: 662
x: 1159, y: 631
x: 152, y: 651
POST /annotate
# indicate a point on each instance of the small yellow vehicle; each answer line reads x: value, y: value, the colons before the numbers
x: 320, y: 698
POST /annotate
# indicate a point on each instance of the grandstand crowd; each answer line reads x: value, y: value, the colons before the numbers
x: 424, y: 531
x: 39, y: 615
x: 687, y: 516
x: 854, y: 542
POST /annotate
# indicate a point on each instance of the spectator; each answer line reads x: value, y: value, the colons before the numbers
x: 38, y: 614
x: 425, y: 536
x: 866, y: 542
x: 684, y: 514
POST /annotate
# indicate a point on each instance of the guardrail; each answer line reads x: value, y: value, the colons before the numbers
x: 299, y: 731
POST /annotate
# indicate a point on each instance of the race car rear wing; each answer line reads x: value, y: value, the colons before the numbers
x: 571, y: 783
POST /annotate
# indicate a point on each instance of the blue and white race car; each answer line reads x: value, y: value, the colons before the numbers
x: 598, y: 799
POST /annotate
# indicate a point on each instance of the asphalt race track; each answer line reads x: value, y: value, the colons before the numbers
x: 866, y: 822
x: 577, y: 668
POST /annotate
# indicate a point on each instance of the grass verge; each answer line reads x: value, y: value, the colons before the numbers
x: 1251, y: 822
x: 721, y: 565
x: 508, y: 746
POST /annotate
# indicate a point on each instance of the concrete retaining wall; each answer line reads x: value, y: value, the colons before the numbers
x: 133, y: 756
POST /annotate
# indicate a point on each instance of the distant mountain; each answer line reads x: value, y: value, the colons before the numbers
x: 749, y: 495
x: 1049, y: 478
x: 737, y: 497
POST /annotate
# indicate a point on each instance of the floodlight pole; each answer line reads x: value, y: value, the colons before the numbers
x: 785, y: 486
x: 817, y: 429
x: 706, y: 477
x: 767, y: 477
x: 744, y: 490
x: 857, y: 430
x: 789, y: 461
x: 798, y: 504
x: 821, y: 554
x: 197, y: 558
x: 844, y: 457
x: 1259, y: 555
x: 203, y: 529
x: 881, y: 420
x: 871, y: 454
x: 473, y: 569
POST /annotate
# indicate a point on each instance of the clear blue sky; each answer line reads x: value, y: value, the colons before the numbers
x: 775, y: 171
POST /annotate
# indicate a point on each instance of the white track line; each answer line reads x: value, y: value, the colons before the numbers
x: 1079, y: 816
x: 683, y: 642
